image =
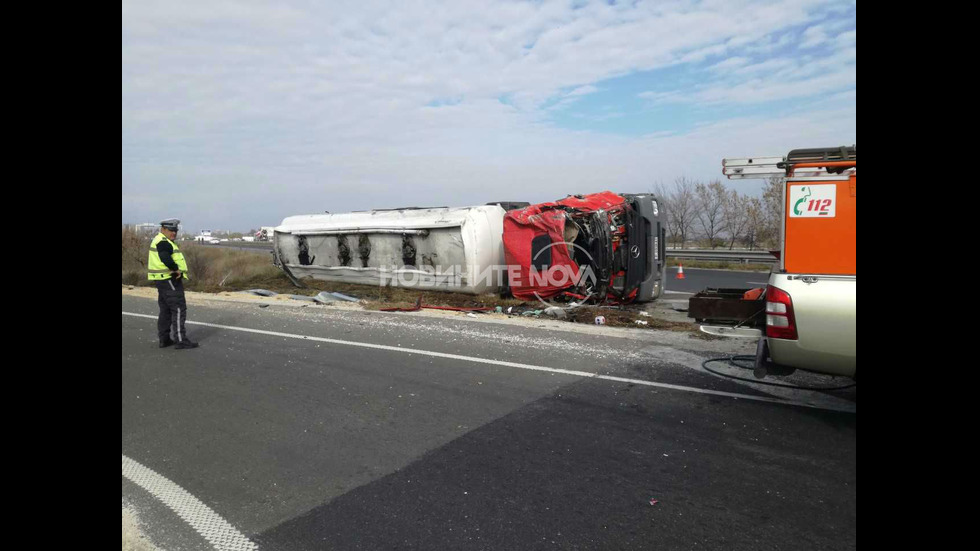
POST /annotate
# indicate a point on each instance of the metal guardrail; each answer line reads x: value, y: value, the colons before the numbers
x: 257, y: 246
x: 722, y: 254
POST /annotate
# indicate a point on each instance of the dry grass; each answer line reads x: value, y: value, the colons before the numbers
x: 135, y: 249
x: 210, y: 269
x: 213, y: 269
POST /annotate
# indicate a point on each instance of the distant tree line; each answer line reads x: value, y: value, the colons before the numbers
x: 710, y: 215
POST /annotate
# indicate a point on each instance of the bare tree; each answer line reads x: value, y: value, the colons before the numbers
x: 772, y: 210
x: 735, y: 212
x: 681, y: 209
x: 710, y: 203
x: 755, y: 221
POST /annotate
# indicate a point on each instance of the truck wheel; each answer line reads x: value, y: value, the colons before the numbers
x: 764, y: 364
x: 761, y: 359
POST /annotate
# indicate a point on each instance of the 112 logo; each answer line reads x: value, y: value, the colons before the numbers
x: 813, y: 201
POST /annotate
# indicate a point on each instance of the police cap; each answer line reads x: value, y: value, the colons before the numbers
x: 170, y: 223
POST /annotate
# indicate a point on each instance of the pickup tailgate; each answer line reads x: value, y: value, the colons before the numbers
x: 825, y: 309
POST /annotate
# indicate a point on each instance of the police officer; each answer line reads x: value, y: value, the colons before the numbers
x: 167, y: 268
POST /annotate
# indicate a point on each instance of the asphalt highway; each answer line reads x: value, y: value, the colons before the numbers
x: 324, y: 428
x: 696, y: 279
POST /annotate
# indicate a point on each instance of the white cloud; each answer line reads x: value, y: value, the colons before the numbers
x: 673, y: 96
x: 737, y: 80
x: 846, y: 39
x: 735, y: 62
x: 270, y: 109
x: 814, y: 36
x: 582, y: 90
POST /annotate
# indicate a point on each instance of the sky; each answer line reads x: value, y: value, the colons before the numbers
x: 237, y: 114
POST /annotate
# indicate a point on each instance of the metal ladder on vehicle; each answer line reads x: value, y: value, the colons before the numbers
x: 765, y: 167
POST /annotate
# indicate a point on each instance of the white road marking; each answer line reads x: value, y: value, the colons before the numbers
x: 848, y: 408
x: 203, y: 519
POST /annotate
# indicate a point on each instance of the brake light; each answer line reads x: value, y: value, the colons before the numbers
x: 780, y: 321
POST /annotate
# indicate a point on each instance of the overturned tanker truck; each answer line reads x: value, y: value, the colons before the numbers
x: 601, y: 247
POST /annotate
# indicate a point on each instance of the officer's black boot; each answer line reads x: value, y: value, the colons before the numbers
x: 185, y: 344
x: 166, y: 342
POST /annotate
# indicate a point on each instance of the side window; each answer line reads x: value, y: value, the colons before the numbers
x: 541, y: 252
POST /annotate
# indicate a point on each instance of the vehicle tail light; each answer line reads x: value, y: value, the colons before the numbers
x: 780, y: 321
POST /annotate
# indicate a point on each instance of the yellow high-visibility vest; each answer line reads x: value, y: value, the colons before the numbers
x: 156, y: 269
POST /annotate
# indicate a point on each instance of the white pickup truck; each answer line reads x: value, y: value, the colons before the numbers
x: 820, y: 331
x: 808, y: 310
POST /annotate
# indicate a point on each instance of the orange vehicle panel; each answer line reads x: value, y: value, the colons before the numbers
x: 815, y: 244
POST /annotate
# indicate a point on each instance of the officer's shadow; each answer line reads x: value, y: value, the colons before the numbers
x: 198, y: 333
x: 201, y: 334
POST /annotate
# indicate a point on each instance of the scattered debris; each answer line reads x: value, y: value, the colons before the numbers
x: 554, y: 312
x: 642, y: 322
x: 459, y: 308
x: 653, y: 501
x: 261, y: 292
x: 342, y: 296
x: 600, y: 320
x: 324, y: 297
x: 263, y: 305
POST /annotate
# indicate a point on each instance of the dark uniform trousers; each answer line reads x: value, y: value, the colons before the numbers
x: 173, y: 310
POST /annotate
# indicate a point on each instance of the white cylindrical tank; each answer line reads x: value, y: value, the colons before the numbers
x: 453, y: 249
